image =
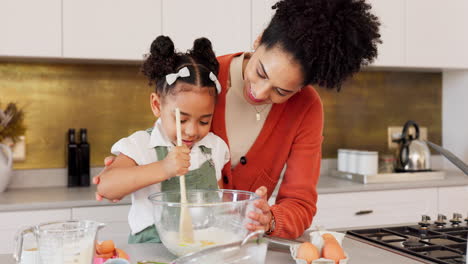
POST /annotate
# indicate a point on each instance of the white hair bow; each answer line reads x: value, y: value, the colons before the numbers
x: 172, y: 77
x: 184, y: 72
x: 215, y: 80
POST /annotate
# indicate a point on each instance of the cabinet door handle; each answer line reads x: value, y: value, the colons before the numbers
x: 363, y: 212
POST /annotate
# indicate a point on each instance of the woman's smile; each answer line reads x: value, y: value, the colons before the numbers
x: 251, y: 95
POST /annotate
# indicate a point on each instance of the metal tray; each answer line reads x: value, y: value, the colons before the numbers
x: 390, y: 177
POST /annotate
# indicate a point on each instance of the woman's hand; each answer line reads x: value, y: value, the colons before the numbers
x: 107, y: 162
x: 177, y: 161
x: 264, y: 217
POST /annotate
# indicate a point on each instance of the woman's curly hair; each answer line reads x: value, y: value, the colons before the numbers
x: 331, y: 39
x: 163, y: 59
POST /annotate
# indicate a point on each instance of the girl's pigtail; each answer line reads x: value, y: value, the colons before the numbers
x: 203, y: 51
x: 160, y: 61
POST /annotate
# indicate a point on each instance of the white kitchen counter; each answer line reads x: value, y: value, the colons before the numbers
x: 330, y: 184
x: 360, y: 253
x: 63, y: 197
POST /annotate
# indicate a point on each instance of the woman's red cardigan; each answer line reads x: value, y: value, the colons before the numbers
x: 291, y: 135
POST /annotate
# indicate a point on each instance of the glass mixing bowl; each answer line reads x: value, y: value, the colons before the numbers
x: 218, y: 217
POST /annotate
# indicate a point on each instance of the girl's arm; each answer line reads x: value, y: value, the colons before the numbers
x: 124, y: 176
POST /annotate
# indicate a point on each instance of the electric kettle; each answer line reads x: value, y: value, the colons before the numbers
x: 412, y: 154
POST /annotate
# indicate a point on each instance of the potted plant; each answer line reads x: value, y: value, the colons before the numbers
x: 11, y: 123
x: 11, y: 129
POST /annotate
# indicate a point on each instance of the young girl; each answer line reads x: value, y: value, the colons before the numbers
x: 149, y: 161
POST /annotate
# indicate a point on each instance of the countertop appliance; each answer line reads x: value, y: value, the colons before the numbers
x: 412, y: 154
x: 440, y: 241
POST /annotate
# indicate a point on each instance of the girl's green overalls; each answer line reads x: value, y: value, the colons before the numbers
x: 201, y: 178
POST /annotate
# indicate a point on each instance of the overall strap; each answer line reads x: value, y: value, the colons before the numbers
x: 205, y: 150
x: 207, y: 153
x: 161, y: 152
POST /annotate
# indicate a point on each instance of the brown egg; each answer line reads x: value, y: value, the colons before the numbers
x: 121, y: 254
x: 332, y: 249
x: 308, y: 252
x: 105, y: 247
x: 105, y: 255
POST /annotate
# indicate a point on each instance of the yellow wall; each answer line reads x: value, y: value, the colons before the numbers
x: 359, y: 115
x: 112, y: 101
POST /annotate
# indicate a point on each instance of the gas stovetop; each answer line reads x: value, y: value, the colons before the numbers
x: 438, y: 242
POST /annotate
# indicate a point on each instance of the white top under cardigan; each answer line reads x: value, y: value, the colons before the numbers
x: 242, y: 126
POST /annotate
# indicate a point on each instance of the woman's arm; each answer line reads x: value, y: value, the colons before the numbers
x: 124, y: 176
x: 297, y: 197
x: 296, y: 201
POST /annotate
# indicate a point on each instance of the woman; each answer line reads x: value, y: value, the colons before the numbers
x: 271, y: 116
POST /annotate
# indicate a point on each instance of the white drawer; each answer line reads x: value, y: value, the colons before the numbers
x: 342, y: 210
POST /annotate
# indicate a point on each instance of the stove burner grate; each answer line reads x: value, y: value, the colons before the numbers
x: 413, y: 242
x: 438, y: 245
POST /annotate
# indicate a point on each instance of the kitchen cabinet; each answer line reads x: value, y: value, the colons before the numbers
x: 422, y: 33
x: 115, y: 218
x: 110, y: 29
x: 436, y: 33
x: 391, y: 53
x: 226, y: 23
x: 357, y: 209
x: 31, y: 28
x: 12, y: 222
x: 415, y: 33
x: 453, y: 200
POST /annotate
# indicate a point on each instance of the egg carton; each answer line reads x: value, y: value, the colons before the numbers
x: 317, y: 240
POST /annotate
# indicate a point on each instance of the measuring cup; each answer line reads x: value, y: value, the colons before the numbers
x: 64, y: 242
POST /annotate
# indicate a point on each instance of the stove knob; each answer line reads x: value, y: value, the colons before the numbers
x: 456, y: 220
x: 425, y: 222
x: 440, y: 222
x: 425, y: 218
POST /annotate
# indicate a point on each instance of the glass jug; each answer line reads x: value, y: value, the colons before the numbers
x: 65, y: 242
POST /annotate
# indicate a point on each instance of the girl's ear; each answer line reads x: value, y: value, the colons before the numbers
x: 257, y: 41
x: 155, y: 101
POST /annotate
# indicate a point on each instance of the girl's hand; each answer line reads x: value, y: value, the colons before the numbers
x: 107, y: 162
x: 177, y: 161
x: 264, y: 217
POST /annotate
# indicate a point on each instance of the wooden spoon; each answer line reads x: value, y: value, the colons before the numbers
x: 185, y: 225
